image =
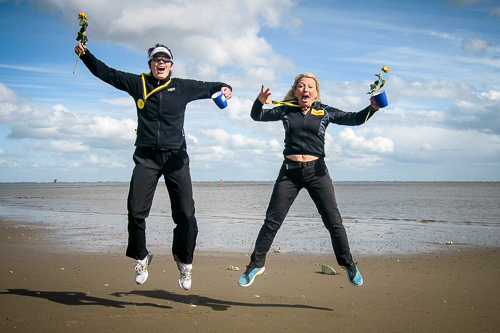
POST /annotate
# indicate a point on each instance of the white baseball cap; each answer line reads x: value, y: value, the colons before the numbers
x: 161, y: 49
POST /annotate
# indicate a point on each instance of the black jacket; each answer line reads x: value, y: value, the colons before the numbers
x: 306, y: 134
x: 161, y: 105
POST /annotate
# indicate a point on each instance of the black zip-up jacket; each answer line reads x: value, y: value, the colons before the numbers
x: 305, y: 134
x: 161, y: 105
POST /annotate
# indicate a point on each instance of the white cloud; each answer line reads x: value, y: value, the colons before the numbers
x: 235, y: 141
x: 345, y: 95
x: 217, y: 135
x: 475, y: 45
x: 351, y: 95
x: 95, y: 159
x: 434, y: 145
x: 27, y: 121
x: 210, y: 34
x: 62, y: 146
x: 470, y: 110
x: 463, y: 106
x: 439, y: 89
x: 9, y: 164
x: 239, y: 110
x: 7, y: 95
x: 478, y: 111
x: 428, y: 146
x: 118, y: 165
x: 191, y: 139
x: 31, y: 69
x: 353, y: 143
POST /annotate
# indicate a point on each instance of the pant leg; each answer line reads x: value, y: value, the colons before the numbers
x: 178, y: 181
x: 140, y: 198
x: 284, y: 193
x: 320, y: 188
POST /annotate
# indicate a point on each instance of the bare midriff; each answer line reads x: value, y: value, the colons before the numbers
x: 301, y: 158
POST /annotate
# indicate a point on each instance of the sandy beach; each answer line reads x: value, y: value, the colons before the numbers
x: 47, y: 289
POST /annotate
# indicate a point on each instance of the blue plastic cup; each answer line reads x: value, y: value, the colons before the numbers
x: 381, y: 99
x: 220, y: 99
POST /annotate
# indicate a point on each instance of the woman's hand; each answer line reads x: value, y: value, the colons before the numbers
x: 227, y: 92
x: 264, y: 95
x: 80, y: 49
x: 374, y: 104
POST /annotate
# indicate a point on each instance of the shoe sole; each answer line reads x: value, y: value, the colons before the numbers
x: 141, y: 283
x: 251, y: 281
x: 147, y: 273
x: 182, y: 287
x: 180, y: 284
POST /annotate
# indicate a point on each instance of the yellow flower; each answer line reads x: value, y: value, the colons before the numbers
x: 82, y: 15
x: 375, y: 87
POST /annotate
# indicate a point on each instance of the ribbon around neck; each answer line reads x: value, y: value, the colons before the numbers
x: 289, y: 103
x: 146, y: 95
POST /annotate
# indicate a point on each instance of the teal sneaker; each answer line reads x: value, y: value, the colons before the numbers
x: 247, y: 278
x: 353, y: 275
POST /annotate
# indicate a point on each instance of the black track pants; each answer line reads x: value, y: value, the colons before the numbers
x: 291, y: 179
x: 150, y: 165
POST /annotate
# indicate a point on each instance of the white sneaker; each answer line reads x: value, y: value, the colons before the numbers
x: 185, y: 277
x: 141, y: 268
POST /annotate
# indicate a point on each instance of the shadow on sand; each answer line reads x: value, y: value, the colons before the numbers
x: 80, y: 298
x: 76, y: 298
x: 215, y: 304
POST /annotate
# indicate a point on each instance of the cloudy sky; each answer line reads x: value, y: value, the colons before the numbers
x: 442, y: 122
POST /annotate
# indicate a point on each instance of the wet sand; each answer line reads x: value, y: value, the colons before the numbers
x: 45, y: 288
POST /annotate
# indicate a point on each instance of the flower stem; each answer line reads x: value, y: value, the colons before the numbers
x: 79, y: 54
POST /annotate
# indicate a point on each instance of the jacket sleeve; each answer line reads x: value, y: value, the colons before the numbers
x: 258, y: 113
x: 350, y: 118
x: 128, y: 82
x: 200, y: 89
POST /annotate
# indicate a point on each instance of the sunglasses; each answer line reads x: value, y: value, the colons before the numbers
x: 158, y: 59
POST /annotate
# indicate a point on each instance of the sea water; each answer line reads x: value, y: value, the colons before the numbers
x: 379, y: 217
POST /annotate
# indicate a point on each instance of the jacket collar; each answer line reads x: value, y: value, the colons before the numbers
x: 155, y: 82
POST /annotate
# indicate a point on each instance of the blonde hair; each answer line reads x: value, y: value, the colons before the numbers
x: 290, y: 96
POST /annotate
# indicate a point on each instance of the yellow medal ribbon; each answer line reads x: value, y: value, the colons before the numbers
x: 140, y: 102
x: 289, y: 103
x: 366, y: 119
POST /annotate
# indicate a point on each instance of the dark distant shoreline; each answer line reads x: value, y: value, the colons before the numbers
x: 272, y: 181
